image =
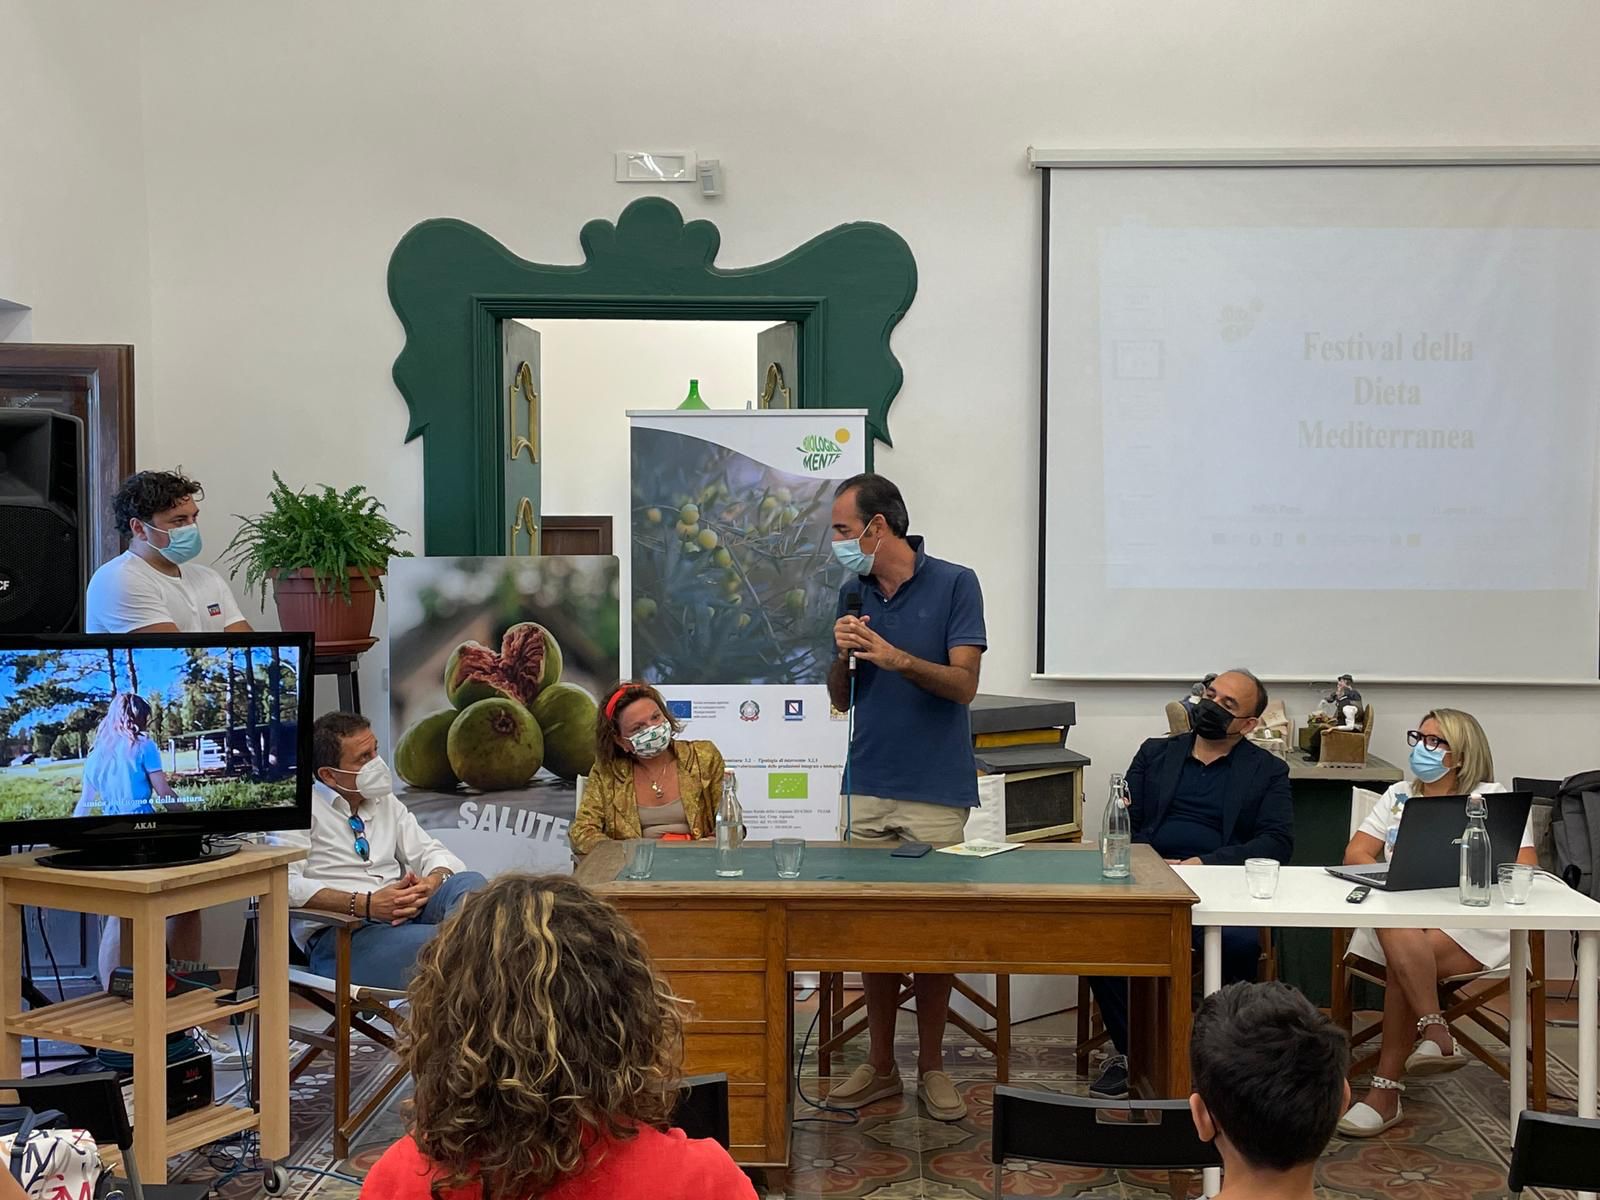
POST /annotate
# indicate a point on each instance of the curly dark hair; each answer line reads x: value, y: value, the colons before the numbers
x: 607, y: 730
x: 537, y: 1022
x: 144, y: 495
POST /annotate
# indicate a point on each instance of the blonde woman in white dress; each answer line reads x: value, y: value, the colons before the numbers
x: 1449, y: 757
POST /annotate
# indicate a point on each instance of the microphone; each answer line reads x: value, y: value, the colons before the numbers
x: 852, y: 608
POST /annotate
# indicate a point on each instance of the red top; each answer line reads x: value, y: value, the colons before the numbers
x: 651, y: 1166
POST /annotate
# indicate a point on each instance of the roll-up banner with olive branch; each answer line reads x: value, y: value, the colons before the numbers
x: 735, y: 590
x: 494, y: 669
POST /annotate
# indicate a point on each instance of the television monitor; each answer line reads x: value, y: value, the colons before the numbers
x: 131, y: 750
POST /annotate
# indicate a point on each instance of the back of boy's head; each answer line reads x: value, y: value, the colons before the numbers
x: 1271, y: 1071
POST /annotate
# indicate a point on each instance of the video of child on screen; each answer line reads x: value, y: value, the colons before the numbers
x: 128, y: 731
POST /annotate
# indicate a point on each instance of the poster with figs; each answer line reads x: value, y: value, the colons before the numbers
x: 734, y: 578
x: 495, y: 669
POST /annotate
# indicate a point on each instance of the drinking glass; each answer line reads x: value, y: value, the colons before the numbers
x: 1516, y: 881
x: 1261, y: 874
x: 641, y: 858
x: 787, y: 854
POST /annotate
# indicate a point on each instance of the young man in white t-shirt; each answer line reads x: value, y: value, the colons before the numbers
x: 155, y: 587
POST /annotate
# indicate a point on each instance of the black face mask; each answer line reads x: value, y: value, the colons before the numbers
x: 1210, y: 720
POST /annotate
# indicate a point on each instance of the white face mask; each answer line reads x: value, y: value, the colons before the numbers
x: 651, y: 740
x: 373, y: 781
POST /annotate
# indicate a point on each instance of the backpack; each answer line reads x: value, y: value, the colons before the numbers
x: 48, y: 1160
x: 1575, y: 832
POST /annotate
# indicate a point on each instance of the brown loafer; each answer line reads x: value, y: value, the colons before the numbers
x: 939, y: 1096
x: 863, y: 1087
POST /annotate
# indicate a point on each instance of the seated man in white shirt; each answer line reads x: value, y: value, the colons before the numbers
x: 154, y: 587
x: 368, y: 857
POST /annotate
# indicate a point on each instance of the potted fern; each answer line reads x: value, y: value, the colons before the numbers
x: 325, y: 553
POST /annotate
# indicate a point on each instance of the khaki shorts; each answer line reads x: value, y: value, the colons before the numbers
x: 875, y: 821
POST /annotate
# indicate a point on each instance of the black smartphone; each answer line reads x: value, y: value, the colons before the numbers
x: 910, y: 850
x: 1358, y: 895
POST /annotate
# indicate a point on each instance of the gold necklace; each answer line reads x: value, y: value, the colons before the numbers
x: 655, y: 785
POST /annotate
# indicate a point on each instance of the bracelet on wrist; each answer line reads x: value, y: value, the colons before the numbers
x: 352, y: 904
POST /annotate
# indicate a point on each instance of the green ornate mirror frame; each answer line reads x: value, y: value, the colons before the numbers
x: 452, y: 286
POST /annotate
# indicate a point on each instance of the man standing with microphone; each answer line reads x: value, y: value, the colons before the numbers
x: 910, y: 638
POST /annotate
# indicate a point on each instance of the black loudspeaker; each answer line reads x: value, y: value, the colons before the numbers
x: 43, y: 526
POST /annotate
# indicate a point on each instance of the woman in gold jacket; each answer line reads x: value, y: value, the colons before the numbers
x: 645, y: 782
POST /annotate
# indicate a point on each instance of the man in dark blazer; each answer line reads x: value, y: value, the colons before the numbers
x: 1208, y: 796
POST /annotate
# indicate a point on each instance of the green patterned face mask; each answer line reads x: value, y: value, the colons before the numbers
x: 651, y: 740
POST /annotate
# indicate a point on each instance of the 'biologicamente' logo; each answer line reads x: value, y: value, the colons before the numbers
x: 817, y: 452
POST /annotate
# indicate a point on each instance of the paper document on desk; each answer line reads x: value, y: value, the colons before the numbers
x: 979, y: 849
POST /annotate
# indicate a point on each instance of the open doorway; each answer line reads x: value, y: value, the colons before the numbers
x: 593, y: 372
x: 459, y: 294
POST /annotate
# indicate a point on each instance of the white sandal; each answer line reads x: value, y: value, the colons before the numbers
x: 1363, y: 1121
x: 1427, y: 1058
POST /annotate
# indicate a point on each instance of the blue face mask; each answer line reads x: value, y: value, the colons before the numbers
x: 183, y: 544
x: 852, y: 558
x: 1428, y: 765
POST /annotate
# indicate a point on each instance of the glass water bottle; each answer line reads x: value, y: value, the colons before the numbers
x: 1477, y: 856
x: 730, y: 828
x: 1116, y: 832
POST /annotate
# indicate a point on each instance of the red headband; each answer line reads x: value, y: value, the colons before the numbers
x: 611, y: 704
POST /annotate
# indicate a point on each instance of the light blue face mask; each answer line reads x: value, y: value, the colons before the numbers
x: 183, y: 544
x: 852, y: 558
x: 1428, y: 765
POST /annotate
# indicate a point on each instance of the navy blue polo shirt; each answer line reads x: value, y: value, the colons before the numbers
x: 1191, y: 826
x: 910, y: 744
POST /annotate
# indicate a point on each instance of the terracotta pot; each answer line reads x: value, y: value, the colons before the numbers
x: 334, y: 621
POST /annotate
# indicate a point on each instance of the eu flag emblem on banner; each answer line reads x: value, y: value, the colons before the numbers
x: 787, y: 785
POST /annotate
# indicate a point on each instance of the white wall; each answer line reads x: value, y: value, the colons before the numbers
x: 595, y: 371
x: 287, y: 147
x: 73, y: 229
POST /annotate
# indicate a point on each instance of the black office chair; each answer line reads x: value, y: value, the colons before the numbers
x: 1544, y: 793
x: 93, y: 1102
x: 1542, y: 789
x: 1555, y: 1152
x: 702, y: 1110
x: 1150, y: 1135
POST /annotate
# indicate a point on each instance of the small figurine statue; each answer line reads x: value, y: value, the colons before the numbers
x: 1346, y: 702
x: 1197, y: 691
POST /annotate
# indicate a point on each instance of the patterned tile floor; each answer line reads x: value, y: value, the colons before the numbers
x: 1453, y: 1145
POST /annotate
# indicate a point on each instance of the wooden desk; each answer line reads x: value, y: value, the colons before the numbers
x: 729, y: 946
x: 147, y: 898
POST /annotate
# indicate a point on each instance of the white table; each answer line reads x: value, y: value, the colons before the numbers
x: 1310, y: 898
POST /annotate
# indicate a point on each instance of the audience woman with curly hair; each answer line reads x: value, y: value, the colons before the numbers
x: 545, y: 1051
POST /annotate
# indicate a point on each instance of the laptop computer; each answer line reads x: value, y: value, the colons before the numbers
x: 1425, y: 853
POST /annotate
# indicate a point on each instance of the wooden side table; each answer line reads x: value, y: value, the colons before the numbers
x: 146, y: 898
